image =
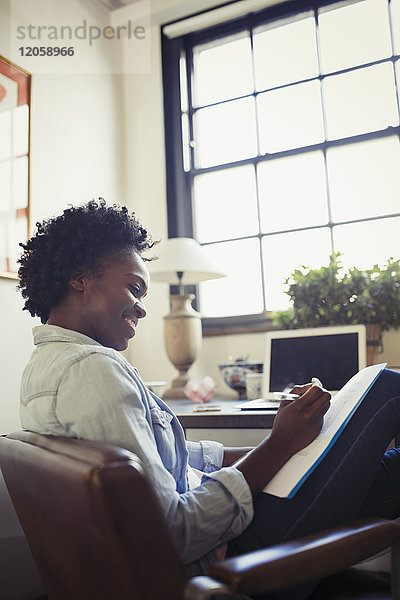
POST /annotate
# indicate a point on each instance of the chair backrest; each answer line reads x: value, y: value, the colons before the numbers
x: 91, y: 519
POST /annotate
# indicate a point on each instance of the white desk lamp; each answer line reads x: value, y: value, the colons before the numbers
x: 182, y: 261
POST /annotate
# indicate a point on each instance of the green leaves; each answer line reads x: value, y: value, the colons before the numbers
x: 331, y: 296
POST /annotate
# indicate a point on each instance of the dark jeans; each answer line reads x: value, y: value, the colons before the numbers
x: 356, y: 478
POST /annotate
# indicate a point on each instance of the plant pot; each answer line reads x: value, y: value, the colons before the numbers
x: 374, y: 342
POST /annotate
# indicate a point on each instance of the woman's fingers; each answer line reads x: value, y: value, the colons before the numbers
x: 301, y: 389
x: 322, y: 408
x: 314, y: 395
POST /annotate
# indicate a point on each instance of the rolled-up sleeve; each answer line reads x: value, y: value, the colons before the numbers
x: 234, y: 482
x: 217, y: 511
x: 206, y: 455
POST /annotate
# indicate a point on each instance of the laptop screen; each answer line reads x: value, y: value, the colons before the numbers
x: 333, y: 354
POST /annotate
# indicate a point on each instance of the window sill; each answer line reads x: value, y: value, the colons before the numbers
x: 237, y: 325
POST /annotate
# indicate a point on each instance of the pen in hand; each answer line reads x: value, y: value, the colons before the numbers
x: 285, y: 396
x: 317, y: 382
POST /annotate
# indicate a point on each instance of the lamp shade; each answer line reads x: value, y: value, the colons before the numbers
x: 186, y: 256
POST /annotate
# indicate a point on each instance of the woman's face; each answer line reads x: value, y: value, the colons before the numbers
x: 112, y: 303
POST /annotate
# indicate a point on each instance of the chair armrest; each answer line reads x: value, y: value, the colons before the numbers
x: 203, y: 587
x: 305, y: 559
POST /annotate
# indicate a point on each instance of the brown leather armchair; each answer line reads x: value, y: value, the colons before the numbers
x: 96, y: 531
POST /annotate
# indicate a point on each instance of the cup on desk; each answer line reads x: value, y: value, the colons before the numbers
x: 254, y: 384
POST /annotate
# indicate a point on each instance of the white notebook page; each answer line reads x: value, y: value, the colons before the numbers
x: 293, y: 473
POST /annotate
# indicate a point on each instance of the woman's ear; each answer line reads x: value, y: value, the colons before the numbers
x: 78, y: 281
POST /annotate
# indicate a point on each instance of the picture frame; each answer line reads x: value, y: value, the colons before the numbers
x: 15, y: 138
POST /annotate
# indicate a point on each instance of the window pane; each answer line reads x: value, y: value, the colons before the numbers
x: 225, y: 204
x: 185, y: 142
x: 395, y: 12
x: 366, y: 244
x: 184, y: 85
x: 20, y: 183
x: 360, y: 101
x: 240, y: 293
x: 364, y: 179
x: 225, y: 133
x: 8, y: 241
x: 290, y: 117
x: 397, y: 63
x: 223, y: 71
x: 9, y: 92
x: 20, y: 130
x: 5, y: 134
x: 13, y: 241
x: 292, y: 192
x: 5, y: 186
x: 15, y: 232
x: 285, y: 52
x: 354, y: 35
x: 21, y: 234
x: 283, y: 253
x: 3, y: 246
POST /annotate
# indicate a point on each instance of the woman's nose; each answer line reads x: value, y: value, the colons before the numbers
x: 140, y: 310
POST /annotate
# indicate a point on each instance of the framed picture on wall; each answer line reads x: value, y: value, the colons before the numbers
x: 15, y: 100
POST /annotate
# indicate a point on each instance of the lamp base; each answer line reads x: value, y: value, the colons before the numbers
x: 176, y: 391
x: 182, y: 334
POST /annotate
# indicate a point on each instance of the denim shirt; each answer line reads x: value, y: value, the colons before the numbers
x: 73, y: 386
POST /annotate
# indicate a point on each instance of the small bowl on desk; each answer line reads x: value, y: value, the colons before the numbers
x: 234, y: 374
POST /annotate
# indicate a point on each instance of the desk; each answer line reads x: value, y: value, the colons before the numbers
x: 229, y: 417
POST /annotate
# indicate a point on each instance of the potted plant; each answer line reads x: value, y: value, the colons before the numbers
x: 332, y: 296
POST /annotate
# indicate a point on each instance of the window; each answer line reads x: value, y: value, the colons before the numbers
x: 14, y: 163
x: 282, y: 142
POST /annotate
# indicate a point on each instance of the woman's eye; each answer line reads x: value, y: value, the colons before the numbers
x: 135, y: 290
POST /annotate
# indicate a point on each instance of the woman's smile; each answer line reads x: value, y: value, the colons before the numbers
x: 131, y: 325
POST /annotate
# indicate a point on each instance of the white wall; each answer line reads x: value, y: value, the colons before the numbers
x: 145, y: 185
x: 77, y: 151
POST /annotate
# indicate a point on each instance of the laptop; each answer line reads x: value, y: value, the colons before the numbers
x: 331, y: 354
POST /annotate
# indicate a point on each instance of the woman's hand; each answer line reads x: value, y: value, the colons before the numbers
x: 296, y: 425
x: 298, y: 422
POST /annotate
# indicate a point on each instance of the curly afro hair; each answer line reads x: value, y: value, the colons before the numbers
x: 78, y: 240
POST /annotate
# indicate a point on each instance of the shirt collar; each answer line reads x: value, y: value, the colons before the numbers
x: 52, y: 333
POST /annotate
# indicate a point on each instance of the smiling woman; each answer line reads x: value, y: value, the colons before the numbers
x: 84, y: 274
